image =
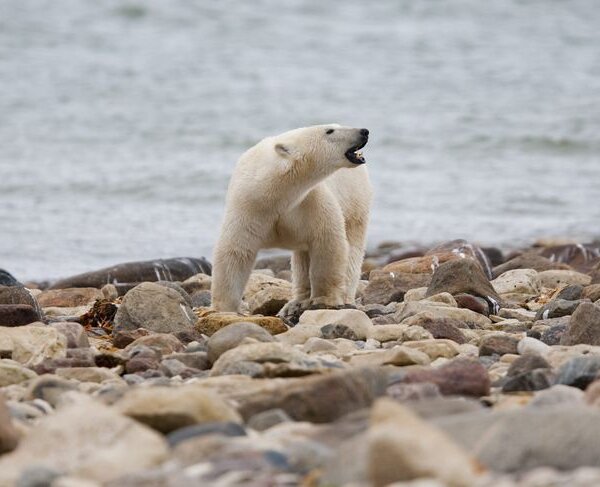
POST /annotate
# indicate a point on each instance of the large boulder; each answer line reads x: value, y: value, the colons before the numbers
x: 178, y: 269
x: 87, y: 439
x: 156, y: 308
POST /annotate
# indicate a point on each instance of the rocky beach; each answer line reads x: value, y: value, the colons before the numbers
x: 459, y: 366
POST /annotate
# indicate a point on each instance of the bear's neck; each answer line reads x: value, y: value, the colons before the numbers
x: 294, y: 184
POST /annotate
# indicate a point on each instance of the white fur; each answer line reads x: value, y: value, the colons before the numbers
x: 296, y: 191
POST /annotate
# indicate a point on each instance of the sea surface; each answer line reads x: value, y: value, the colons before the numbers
x: 121, y: 121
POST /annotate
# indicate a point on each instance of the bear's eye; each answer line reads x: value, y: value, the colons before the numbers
x: 330, y: 131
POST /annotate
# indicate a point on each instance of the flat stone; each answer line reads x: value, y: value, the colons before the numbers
x: 232, y: 335
x: 85, y: 438
x: 403, y: 447
x: 210, y: 322
x: 156, y: 308
x: 398, y: 356
x: 584, y: 326
x: 167, y: 409
x: 69, y: 298
x: 563, y: 278
x: 416, y: 313
x: 354, y: 319
x: 177, y: 269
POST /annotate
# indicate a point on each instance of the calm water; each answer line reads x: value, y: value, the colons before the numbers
x: 120, y: 121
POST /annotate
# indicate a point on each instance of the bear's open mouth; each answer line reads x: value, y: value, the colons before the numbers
x: 354, y: 154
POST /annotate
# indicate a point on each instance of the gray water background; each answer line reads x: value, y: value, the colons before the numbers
x: 120, y: 121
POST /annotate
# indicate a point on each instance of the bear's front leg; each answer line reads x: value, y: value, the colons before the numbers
x: 328, y: 260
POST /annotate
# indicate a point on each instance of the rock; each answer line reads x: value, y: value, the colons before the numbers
x: 210, y: 322
x: 123, y: 338
x: 570, y: 293
x: 318, y: 399
x: 7, y: 279
x: 403, y: 447
x: 331, y: 332
x: 32, y: 344
x: 553, y: 335
x: 18, y: 314
x: 385, y: 287
x: 17, y: 295
x: 526, y: 363
x: 556, y: 395
x: 417, y: 313
x: 156, y: 308
x: 591, y: 292
x: 354, y: 319
x: 498, y: 343
x: 167, y: 409
x: 579, y: 371
x: 557, y: 308
x: 316, y: 345
x: 164, y: 343
x: 416, y: 294
x: 523, y: 281
x: 201, y: 299
x: 9, y: 437
x: 232, y: 335
x: 592, y: 394
x: 531, y: 346
x: 533, y: 443
x: 87, y: 374
x: 266, y: 295
x: 300, y: 334
x: 583, y: 326
x: 462, y: 276
x: 398, y: 356
x: 196, y: 360
x: 276, y: 263
x: 435, y: 348
x: 266, y: 419
x: 197, y: 283
x: 460, y: 377
x: 530, y: 261
x: 562, y: 278
x: 70, y: 297
x: 387, y: 333
x: 517, y: 314
x: 268, y: 360
x: 227, y: 429
x: 178, y: 269
x: 581, y: 257
x: 88, y: 439
x: 474, y: 303
x: 532, y: 380
x: 74, y: 333
x: 49, y: 388
x: 418, y: 392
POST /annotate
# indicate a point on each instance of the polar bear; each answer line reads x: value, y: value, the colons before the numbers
x: 306, y: 190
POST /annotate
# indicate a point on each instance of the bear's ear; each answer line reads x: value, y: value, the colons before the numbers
x: 283, y: 150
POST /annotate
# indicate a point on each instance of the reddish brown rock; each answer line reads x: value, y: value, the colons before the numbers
x: 461, y: 276
x: 581, y: 257
x: 529, y: 260
x: 444, y: 328
x: 18, y: 314
x: 68, y: 298
x: 499, y: 344
x: 460, y: 376
x: 386, y: 287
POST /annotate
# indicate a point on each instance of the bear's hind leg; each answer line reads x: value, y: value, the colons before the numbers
x: 231, y: 270
x: 300, y: 285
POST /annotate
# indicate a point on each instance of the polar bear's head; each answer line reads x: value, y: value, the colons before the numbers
x: 331, y: 146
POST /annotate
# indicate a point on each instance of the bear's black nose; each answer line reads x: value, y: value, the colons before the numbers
x: 364, y: 132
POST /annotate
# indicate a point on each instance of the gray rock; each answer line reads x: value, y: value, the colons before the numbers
x: 196, y: 360
x: 533, y: 380
x: 584, y: 326
x: 7, y: 279
x: 232, y: 335
x: 156, y: 308
x: 562, y: 437
x: 330, y: 332
x: 571, y: 293
x: 557, y: 308
x: 554, y: 334
x: 49, y: 388
x: 557, y: 395
x: 266, y: 419
x: 579, y: 371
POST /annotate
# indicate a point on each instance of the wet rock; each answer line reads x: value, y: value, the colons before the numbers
x: 474, y: 303
x: 579, y: 371
x: 444, y: 328
x: 162, y: 342
x: 69, y: 298
x: 7, y: 279
x: 591, y: 292
x: 385, y: 287
x: 461, y: 276
x: 73, y: 332
x: 533, y: 443
x: 557, y: 308
x: 532, y: 380
x: 355, y: 320
x: 498, y: 343
x: 18, y: 314
x: 232, y: 335
x: 93, y: 440
x: 32, y: 344
x: 557, y: 395
x: 584, y: 326
x: 210, y: 322
x: 156, y: 308
x: 458, y: 377
x: 167, y: 409
x: 523, y: 281
x: 529, y: 260
x: 402, y: 447
x: 268, y: 360
x: 318, y: 399
x: 178, y: 269
x: 563, y: 278
x: 9, y: 437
